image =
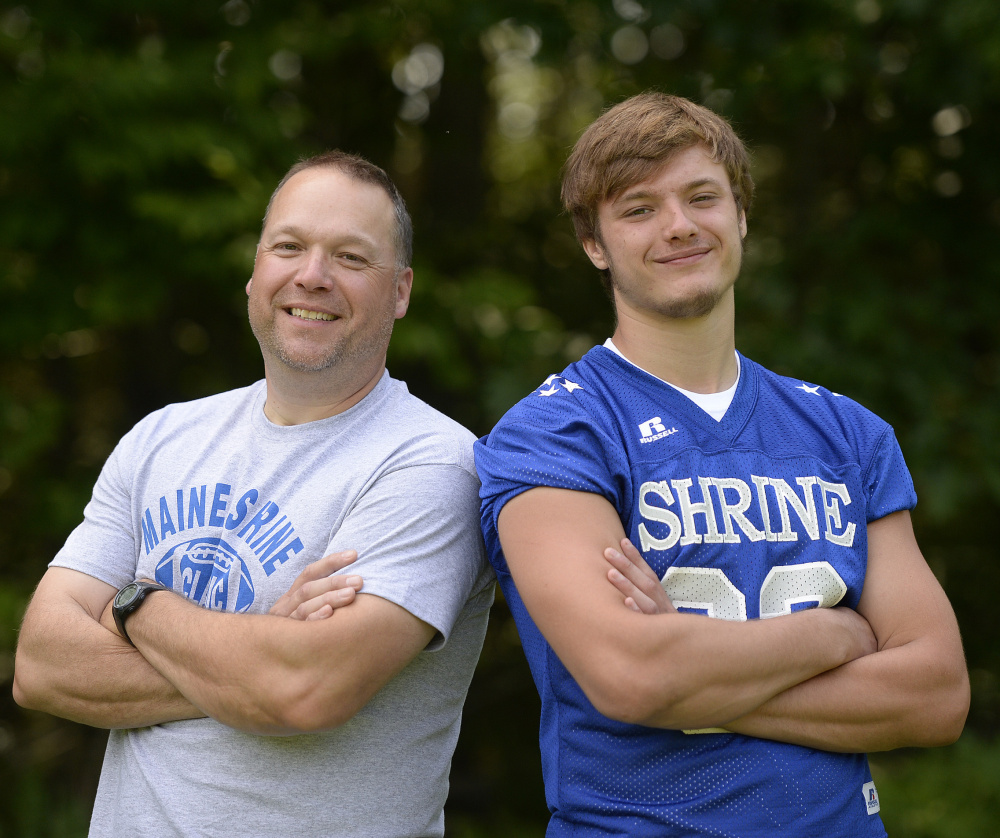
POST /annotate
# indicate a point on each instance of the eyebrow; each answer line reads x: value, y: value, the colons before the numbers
x: 642, y: 194
x: 299, y: 231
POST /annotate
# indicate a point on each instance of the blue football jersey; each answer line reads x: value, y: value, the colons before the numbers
x: 755, y: 516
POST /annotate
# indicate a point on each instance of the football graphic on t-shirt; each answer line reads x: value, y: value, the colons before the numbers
x: 208, y: 571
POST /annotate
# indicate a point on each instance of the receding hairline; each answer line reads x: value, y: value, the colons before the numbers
x: 319, y: 169
x: 359, y: 170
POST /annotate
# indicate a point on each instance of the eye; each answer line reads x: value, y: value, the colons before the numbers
x: 637, y: 212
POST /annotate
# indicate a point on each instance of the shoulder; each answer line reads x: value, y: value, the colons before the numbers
x: 799, y: 401
x: 208, y: 417
x: 794, y: 415
x: 418, y: 433
x: 220, y: 406
x: 577, y: 394
x: 565, y: 434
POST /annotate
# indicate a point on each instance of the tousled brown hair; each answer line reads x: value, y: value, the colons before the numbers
x: 627, y: 142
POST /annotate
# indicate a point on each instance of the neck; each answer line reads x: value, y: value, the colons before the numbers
x: 295, y: 397
x: 694, y: 353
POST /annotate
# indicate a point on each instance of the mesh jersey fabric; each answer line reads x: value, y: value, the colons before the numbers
x: 759, y: 514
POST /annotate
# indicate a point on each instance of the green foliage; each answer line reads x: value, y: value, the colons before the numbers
x: 139, y: 146
x: 949, y: 793
x: 38, y: 813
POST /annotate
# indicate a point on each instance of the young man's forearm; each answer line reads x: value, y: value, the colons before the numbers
x: 666, y: 670
x: 909, y: 696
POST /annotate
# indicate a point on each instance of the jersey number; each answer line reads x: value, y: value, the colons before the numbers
x: 789, y: 588
x: 707, y: 590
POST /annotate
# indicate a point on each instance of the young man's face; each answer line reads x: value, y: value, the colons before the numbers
x: 672, y: 242
x: 326, y: 287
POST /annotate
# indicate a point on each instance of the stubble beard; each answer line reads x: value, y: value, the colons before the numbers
x: 696, y: 304
x: 350, y: 348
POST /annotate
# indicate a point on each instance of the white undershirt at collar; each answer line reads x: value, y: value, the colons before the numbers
x: 714, y: 404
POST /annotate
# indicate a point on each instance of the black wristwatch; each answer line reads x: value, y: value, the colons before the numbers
x: 128, y: 600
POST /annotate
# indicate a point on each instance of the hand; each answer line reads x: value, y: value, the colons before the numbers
x: 862, y: 635
x: 315, y: 594
x: 636, y: 581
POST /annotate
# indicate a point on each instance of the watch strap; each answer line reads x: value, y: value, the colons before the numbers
x: 121, y: 612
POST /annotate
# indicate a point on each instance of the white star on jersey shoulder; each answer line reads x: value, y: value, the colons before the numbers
x: 554, y: 383
x: 814, y: 390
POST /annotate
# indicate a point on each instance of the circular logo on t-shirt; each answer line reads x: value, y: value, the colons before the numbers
x: 208, y: 571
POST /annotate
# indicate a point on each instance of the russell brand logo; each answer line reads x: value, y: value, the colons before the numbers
x: 653, y: 429
x: 871, y: 798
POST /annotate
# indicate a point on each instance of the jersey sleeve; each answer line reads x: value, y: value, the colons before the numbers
x: 418, y: 541
x: 888, y: 483
x: 555, y: 446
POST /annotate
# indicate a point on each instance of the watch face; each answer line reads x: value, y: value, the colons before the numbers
x: 126, y: 595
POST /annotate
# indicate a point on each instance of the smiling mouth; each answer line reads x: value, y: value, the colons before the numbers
x: 306, y: 314
x: 681, y: 257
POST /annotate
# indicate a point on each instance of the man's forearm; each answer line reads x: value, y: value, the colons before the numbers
x: 71, y: 666
x: 270, y: 675
x: 913, y: 692
x: 71, y: 661
x: 126, y: 693
x: 214, y: 661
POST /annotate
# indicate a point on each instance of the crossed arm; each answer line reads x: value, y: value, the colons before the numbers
x: 913, y: 692
x: 888, y: 675
x: 286, y: 672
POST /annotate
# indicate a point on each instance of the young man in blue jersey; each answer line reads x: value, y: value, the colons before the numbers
x: 774, y: 506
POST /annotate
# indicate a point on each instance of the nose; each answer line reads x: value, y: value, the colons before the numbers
x: 314, y: 272
x: 678, y: 223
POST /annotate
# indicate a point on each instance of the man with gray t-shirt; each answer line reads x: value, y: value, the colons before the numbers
x: 278, y: 594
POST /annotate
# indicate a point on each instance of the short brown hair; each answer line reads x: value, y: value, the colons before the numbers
x: 627, y: 142
x: 364, y: 171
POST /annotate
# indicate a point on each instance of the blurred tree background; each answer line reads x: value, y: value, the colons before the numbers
x: 138, y: 145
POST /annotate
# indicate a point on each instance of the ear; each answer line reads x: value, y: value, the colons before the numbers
x: 256, y: 256
x: 404, y: 286
x: 595, y: 253
x: 743, y: 224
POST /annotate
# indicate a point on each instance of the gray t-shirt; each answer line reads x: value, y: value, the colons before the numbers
x: 216, y: 502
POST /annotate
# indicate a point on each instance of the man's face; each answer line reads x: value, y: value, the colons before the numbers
x: 325, y: 286
x: 673, y: 242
